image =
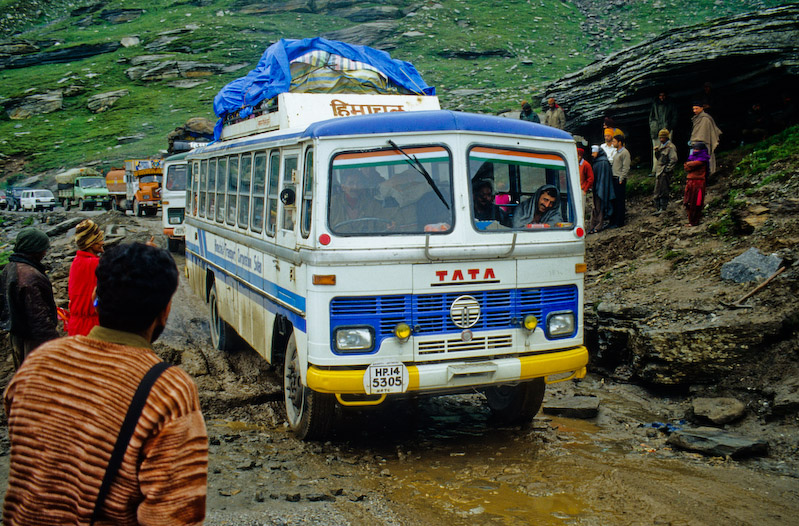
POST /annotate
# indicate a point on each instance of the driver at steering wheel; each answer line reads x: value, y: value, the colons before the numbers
x: 353, y: 207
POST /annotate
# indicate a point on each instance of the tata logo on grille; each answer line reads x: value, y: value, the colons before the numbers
x: 464, y: 276
x: 464, y: 312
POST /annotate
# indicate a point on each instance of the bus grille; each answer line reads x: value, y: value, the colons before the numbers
x: 428, y: 314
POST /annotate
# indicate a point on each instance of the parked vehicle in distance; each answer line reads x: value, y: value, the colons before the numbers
x: 3, y: 200
x: 38, y: 199
x: 173, y: 200
x: 84, y: 188
x: 143, y: 186
x: 117, y: 190
x: 13, y: 195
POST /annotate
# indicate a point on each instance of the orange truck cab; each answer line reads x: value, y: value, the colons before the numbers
x: 143, y: 179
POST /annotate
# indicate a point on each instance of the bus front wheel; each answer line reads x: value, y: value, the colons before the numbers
x: 309, y: 414
x: 516, y: 404
x: 221, y: 332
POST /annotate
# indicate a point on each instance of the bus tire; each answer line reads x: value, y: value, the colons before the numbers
x: 221, y: 333
x: 173, y: 245
x: 516, y: 404
x: 310, y: 414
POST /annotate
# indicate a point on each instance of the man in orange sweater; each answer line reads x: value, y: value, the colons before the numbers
x: 67, y: 403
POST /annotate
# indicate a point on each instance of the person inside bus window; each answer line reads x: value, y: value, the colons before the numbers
x: 485, y: 209
x: 541, y: 209
x: 353, y: 207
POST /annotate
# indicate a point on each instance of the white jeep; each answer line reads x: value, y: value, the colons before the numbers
x: 34, y: 200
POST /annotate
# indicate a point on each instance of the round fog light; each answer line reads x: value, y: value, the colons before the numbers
x: 402, y: 331
x: 530, y: 323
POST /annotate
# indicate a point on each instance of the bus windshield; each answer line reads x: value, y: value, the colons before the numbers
x: 176, y: 176
x: 384, y: 191
x: 517, y: 189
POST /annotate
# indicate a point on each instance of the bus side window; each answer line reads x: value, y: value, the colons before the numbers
x: 190, y: 185
x: 244, y: 189
x: 307, y: 194
x: 258, y: 187
x: 211, y: 188
x: 194, y: 189
x: 289, y: 180
x: 232, y: 187
x: 272, y: 192
x: 201, y: 192
x: 221, y: 184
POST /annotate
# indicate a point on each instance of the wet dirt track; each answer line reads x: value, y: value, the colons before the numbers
x: 442, y: 461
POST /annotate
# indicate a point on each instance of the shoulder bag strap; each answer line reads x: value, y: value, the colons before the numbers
x: 126, y: 432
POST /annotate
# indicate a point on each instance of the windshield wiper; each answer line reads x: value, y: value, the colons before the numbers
x: 419, y: 167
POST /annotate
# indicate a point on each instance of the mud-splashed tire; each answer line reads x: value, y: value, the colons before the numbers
x: 516, y: 404
x: 310, y: 414
x: 222, y: 336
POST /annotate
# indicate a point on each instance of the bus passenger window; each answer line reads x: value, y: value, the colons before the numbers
x: 258, y: 187
x: 211, y: 188
x: 201, y: 191
x: 221, y: 184
x: 190, y: 192
x: 244, y: 190
x: 289, y: 177
x: 272, y: 192
x: 307, y: 195
x: 232, y: 187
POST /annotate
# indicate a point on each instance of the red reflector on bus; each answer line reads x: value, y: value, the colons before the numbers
x: 579, y: 232
x: 324, y: 239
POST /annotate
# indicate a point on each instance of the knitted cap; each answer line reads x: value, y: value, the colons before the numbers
x: 664, y: 133
x: 31, y: 240
x: 87, y: 233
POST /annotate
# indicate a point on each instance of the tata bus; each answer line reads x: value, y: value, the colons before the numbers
x: 339, y: 237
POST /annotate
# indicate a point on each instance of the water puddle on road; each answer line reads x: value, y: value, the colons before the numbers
x: 457, y: 464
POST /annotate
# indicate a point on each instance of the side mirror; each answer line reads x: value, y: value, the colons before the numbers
x: 287, y: 196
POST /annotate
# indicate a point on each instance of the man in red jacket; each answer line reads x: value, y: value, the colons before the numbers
x: 82, y: 281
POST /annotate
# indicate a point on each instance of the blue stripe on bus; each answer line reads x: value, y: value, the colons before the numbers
x: 250, y: 289
x: 430, y: 121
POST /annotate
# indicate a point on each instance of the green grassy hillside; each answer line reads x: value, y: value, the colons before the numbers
x: 533, y: 43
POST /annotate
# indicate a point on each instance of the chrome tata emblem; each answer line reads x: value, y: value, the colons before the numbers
x: 464, y: 312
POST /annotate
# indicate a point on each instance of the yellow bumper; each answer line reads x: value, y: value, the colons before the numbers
x: 431, y: 377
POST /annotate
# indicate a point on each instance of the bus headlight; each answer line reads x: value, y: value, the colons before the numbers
x: 560, y: 324
x: 350, y: 339
x: 530, y: 322
x: 402, y: 331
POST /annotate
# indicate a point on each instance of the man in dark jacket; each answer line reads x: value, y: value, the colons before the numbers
x: 541, y: 209
x: 27, y: 306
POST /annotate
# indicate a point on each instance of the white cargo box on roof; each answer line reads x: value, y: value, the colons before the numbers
x: 299, y: 110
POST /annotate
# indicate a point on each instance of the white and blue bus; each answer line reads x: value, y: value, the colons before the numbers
x: 344, y: 238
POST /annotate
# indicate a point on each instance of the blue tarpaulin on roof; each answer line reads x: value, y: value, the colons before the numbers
x: 273, y: 74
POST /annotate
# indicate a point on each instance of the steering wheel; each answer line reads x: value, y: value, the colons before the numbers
x: 361, y: 220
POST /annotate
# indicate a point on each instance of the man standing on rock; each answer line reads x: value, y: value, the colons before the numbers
x: 554, y: 116
x: 662, y: 115
x: 527, y: 113
x: 704, y: 130
x: 67, y: 403
x: 27, y: 306
x: 621, y: 169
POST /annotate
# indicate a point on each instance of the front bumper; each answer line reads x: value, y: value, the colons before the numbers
x: 445, y: 376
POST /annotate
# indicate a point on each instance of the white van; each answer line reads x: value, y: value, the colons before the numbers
x: 35, y: 200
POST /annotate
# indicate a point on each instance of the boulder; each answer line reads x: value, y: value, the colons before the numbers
x: 103, y: 101
x: 718, y: 411
x: 120, y: 16
x: 35, y: 105
x: 715, y: 442
x: 786, y: 397
x: 130, y: 41
x: 747, y: 57
x: 18, y: 48
x: 752, y: 265
x: 369, y: 14
x: 172, y: 69
x: 375, y: 34
x: 573, y: 407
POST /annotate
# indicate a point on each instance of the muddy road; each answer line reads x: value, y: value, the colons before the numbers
x: 443, y: 461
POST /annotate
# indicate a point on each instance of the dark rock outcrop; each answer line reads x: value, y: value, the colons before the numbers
x: 35, y: 105
x: 119, y: 16
x: 58, y: 56
x: 745, y: 58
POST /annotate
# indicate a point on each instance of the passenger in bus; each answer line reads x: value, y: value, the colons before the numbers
x: 485, y: 208
x: 541, y: 209
x: 353, y: 207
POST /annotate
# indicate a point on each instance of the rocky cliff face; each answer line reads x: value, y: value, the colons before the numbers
x: 745, y: 58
